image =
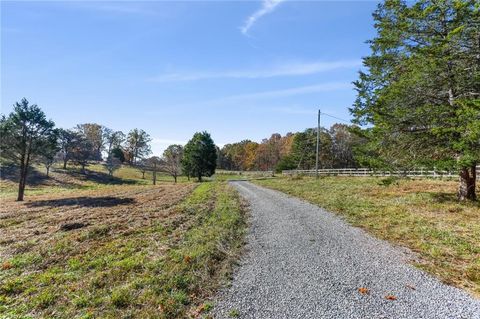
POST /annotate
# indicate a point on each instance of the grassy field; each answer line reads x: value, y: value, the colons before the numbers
x: 128, y: 172
x: 83, y: 248
x: 422, y: 215
x: 94, y: 177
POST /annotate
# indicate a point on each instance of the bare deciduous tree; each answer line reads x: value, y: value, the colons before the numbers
x: 153, y: 163
x: 172, y: 160
x: 112, y: 164
x: 142, y: 166
x: 49, y: 152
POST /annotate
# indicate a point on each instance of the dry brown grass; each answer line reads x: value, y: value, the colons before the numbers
x: 119, y: 208
x: 117, y: 250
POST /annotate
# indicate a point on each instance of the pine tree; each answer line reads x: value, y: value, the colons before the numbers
x: 421, y: 87
x: 23, y: 135
x: 200, y: 156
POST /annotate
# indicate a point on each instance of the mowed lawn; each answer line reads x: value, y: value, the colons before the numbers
x: 422, y: 215
x: 117, y: 251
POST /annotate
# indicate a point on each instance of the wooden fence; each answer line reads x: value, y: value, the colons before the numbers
x: 419, y: 172
x: 245, y: 173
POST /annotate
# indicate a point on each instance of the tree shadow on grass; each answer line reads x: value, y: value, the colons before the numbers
x: 34, y: 178
x: 98, y: 177
x: 444, y: 197
x: 451, y: 198
x: 104, y: 201
x: 70, y: 177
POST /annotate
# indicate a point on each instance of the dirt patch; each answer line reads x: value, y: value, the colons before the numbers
x: 120, y: 208
x: 85, y: 201
x: 72, y: 226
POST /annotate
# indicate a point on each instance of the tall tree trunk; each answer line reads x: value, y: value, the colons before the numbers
x: 48, y: 170
x: 143, y: 175
x: 21, y: 186
x: 468, y: 177
x: 175, y: 177
x: 65, y: 160
x: 21, y: 190
x: 24, y: 172
x: 23, y: 181
x: 199, y: 177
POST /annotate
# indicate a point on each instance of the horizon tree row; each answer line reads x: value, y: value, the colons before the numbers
x: 27, y: 137
x: 91, y: 141
x: 294, y: 151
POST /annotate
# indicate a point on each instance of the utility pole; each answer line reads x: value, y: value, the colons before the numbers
x: 318, y: 143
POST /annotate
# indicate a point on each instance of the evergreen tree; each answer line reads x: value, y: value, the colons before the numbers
x: 421, y: 87
x: 23, y: 135
x: 200, y: 156
x: 117, y: 152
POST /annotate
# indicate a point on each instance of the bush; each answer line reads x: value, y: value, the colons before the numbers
x: 286, y: 163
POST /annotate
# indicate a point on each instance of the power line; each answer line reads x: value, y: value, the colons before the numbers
x: 318, y: 138
x: 346, y: 121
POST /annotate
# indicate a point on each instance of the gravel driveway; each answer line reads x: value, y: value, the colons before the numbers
x: 304, y: 262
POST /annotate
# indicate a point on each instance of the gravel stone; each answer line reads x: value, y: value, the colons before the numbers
x: 304, y: 262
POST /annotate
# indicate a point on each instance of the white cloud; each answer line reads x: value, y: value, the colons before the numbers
x: 286, y: 69
x: 267, y: 7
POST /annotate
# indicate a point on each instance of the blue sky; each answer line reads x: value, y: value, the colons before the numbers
x: 240, y: 70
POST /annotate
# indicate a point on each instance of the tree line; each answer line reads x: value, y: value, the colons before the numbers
x: 417, y: 104
x: 338, y: 147
x: 28, y: 137
x: 90, y: 141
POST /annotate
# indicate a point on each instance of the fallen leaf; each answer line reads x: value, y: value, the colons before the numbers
x: 187, y: 259
x: 411, y: 287
x: 161, y: 308
x: 6, y: 265
x: 390, y: 297
x: 363, y: 290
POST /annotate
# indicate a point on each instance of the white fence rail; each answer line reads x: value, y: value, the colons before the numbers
x: 369, y: 172
x: 244, y: 173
